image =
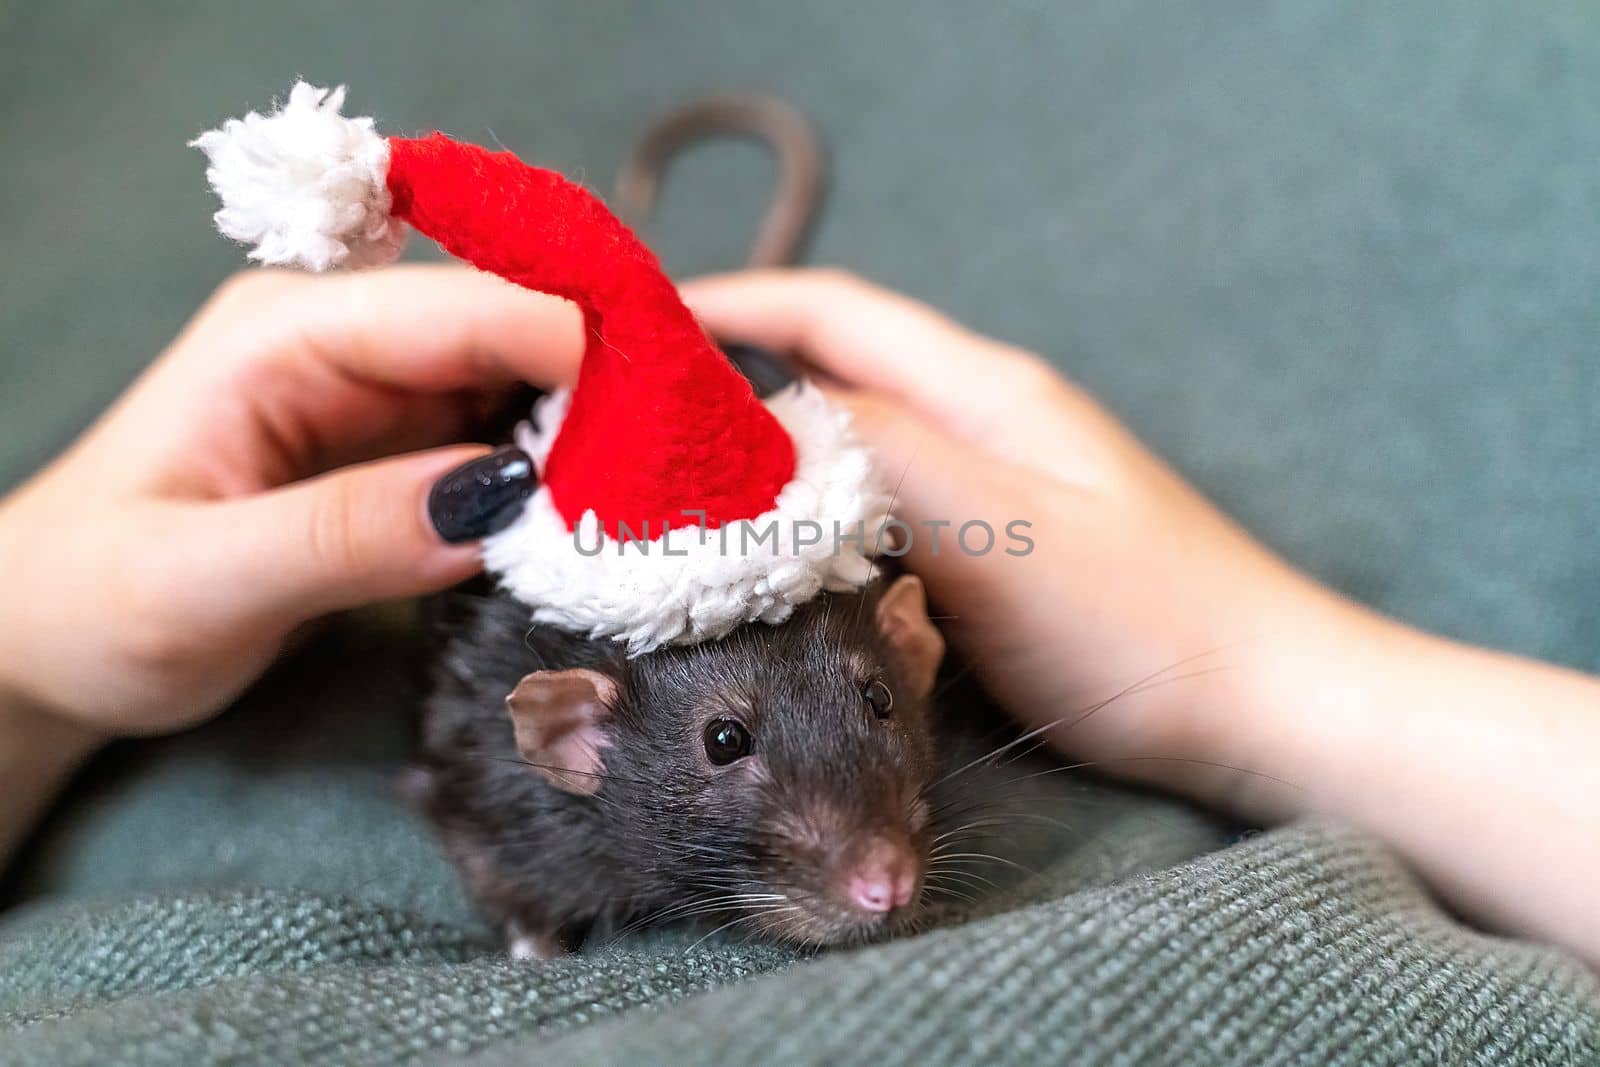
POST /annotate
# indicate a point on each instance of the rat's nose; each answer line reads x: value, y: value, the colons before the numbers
x: 885, y: 879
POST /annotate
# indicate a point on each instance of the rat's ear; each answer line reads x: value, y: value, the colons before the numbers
x: 558, y: 717
x: 915, y: 642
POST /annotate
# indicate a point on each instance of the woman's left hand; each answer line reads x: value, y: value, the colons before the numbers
x: 260, y: 473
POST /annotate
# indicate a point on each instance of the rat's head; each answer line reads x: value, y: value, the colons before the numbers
x: 778, y: 776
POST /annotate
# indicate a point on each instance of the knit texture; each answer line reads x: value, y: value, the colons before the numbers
x: 254, y: 892
x: 1338, y: 263
x: 1303, y: 946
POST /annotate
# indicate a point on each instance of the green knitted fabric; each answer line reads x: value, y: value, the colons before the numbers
x: 1338, y: 262
x: 1303, y: 946
x: 340, y: 935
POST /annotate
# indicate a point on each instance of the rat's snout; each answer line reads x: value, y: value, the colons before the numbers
x: 851, y: 872
x: 886, y: 877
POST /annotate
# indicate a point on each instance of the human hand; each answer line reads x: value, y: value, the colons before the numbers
x: 1148, y: 635
x: 251, y: 479
x: 1137, y: 593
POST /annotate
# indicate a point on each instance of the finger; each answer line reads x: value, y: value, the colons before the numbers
x: 861, y: 334
x: 992, y: 395
x: 346, y: 538
x: 424, y: 327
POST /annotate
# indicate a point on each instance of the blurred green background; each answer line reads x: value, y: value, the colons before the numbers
x: 1339, y: 262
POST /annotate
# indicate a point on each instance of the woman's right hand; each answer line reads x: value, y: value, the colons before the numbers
x: 1148, y: 635
x: 1135, y: 591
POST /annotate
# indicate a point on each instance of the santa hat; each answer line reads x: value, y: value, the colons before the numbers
x: 674, y: 505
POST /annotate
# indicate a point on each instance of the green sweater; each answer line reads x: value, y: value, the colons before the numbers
x: 328, y: 928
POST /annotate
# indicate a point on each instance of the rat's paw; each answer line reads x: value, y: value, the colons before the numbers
x: 527, y: 946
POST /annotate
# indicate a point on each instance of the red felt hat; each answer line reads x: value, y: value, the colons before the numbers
x: 660, y: 444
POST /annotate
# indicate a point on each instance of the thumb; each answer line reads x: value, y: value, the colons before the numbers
x: 364, y: 533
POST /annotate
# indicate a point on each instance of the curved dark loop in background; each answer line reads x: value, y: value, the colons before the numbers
x: 783, y: 128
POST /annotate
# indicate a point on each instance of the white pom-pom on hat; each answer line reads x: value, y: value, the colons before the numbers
x: 305, y: 185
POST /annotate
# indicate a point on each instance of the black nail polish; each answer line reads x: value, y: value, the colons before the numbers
x: 482, y: 497
x: 764, y: 369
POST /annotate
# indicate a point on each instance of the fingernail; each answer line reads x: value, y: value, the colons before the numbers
x: 764, y: 369
x: 482, y: 497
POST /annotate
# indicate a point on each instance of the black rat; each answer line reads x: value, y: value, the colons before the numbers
x: 778, y: 776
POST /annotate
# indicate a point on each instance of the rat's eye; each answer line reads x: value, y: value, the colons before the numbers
x: 726, y: 740
x: 879, y: 698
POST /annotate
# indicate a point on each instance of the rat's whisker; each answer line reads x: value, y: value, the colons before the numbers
x: 990, y: 857
x: 1075, y: 718
x: 975, y: 823
x: 1162, y: 759
x: 735, y: 922
x: 977, y: 888
x: 695, y: 907
x: 877, y: 544
x: 1139, y: 685
x: 550, y: 767
x: 1143, y: 688
x: 939, y: 889
x: 951, y: 682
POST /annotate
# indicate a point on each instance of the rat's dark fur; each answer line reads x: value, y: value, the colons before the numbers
x: 669, y: 834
